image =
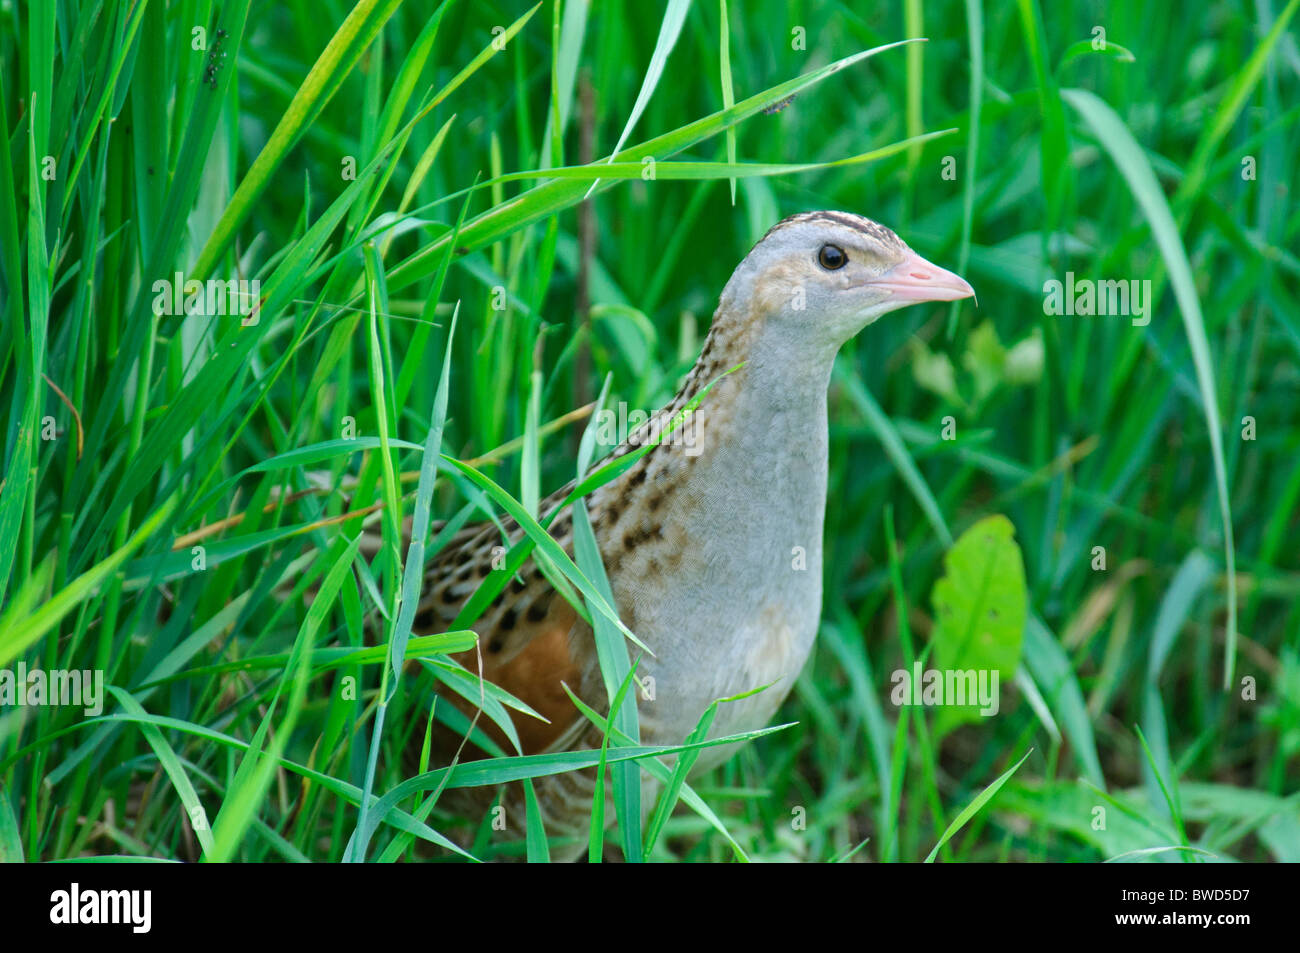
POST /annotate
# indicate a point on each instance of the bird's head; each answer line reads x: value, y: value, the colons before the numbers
x: 823, y: 276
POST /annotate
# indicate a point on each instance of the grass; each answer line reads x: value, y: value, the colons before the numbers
x: 437, y: 309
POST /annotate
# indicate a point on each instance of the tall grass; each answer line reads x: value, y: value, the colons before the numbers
x: 182, y: 493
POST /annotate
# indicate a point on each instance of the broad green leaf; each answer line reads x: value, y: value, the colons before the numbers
x: 980, y: 606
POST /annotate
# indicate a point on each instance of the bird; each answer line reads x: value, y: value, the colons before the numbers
x: 712, y: 546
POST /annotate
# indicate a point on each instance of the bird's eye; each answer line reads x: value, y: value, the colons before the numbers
x: 832, y: 257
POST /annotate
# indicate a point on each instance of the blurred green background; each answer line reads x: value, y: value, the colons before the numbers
x: 329, y: 152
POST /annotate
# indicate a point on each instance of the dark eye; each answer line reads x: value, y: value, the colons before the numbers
x: 832, y: 257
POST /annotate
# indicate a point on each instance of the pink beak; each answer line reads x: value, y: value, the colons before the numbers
x: 915, y: 279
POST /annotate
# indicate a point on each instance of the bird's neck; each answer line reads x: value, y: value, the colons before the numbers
x: 779, y: 355
x: 716, y: 541
x: 763, y: 428
x: 766, y: 387
x: 751, y: 461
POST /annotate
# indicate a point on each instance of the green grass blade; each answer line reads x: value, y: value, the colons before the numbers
x: 612, y: 654
x: 728, y: 90
x: 897, y: 452
x: 257, y: 767
x: 973, y: 808
x: 351, y: 39
x: 1132, y: 162
x: 669, y: 29
x: 171, y: 764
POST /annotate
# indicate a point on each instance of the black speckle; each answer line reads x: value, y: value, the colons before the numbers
x: 537, y: 611
x: 508, y: 620
x: 424, y: 619
x: 496, y: 645
x: 777, y: 106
